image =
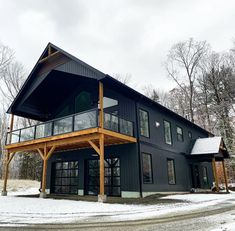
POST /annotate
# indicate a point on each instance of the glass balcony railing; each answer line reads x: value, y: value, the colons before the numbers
x: 72, y: 123
x: 116, y: 124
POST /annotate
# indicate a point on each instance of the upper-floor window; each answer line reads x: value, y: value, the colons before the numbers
x: 167, y: 132
x: 171, y: 171
x: 144, y: 123
x: 180, y: 136
x: 190, y: 136
x: 147, y: 169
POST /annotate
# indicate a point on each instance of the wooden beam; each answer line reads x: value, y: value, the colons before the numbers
x: 46, y: 58
x: 10, y: 157
x: 49, y: 50
x: 102, y: 164
x: 215, y: 175
x: 40, y: 153
x: 94, y: 146
x: 225, y: 176
x: 101, y: 103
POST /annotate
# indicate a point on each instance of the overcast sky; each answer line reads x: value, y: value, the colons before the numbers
x: 116, y: 36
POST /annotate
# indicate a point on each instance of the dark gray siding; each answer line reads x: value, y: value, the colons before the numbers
x: 76, y: 68
x: 160, y: 151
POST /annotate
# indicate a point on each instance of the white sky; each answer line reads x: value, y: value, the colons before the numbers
x: 116, y: 36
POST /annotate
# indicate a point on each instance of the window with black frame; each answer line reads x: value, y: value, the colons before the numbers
x: 180, y: 135
x: 147, y: 168
x: 144, y: 123
x: 171, y: 171
x: 65, y: 177
x: 167, y: 132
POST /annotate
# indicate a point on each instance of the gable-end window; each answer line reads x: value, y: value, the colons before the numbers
x: 83, y: 102
x: 147, y: 169
x: 167, y: 132
x: 108, y: 102
x: 190, y: 136
x: 180, y: 136
x: 171, y: 171
x: 144, y: 123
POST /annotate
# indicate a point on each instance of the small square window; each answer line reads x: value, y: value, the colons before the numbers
x: 190, y: 135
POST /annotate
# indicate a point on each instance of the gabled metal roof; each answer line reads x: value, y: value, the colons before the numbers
x: 209, y: 146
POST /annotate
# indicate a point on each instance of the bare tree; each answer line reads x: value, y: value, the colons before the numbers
x: 151, y: 92
x: 6, y: 56
x: 125, y: 79
x: 183, y: 66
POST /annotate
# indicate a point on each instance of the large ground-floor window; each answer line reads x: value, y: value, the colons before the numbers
x: 65, y: 177
x: 111, y: 179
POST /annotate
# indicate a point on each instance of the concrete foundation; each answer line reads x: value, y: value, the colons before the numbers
x: 102, y: 198
x: 43, y: 195
x: 4, y: 193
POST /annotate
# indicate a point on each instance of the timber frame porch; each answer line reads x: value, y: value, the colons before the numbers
x: 96, y: 138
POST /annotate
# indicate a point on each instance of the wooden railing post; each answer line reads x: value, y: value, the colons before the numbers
x: 11, y: 128
x: 101, y: 109
x: 225, y: 176
x: 215, y: 175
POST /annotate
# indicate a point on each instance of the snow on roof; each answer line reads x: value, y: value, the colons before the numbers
x: 209, y: 145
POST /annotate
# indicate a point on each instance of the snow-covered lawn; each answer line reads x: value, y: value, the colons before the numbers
x: 22, y: 210
x: 18, y: 187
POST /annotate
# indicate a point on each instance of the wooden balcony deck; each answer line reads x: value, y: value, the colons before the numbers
x: 73, y: 140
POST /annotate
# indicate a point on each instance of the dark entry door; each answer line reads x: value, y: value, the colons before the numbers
x: 195, y: 176
x: 111, y: 180
x: 65, y: 177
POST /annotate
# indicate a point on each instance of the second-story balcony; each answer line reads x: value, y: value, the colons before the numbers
x: 116, y: 130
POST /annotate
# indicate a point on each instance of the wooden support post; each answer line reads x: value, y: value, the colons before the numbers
x: 7, y: 162
x: 215, y: 175
x: 225, y: 176
x: 101, y: 109
x: 102, y: 197
x: 45, y: 154
x: 4, y: 191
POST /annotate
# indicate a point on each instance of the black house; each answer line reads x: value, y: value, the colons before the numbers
x: 97, y: 136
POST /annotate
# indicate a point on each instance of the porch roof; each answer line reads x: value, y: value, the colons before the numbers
x: 213, y: 146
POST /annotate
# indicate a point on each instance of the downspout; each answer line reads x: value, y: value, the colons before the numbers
x: 138, y: 149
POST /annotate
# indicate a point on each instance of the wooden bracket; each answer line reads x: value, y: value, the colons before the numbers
x: 94, y: 146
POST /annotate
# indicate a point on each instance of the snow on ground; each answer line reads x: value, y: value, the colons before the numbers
x: 21, y: 187
x: 22, y: 210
